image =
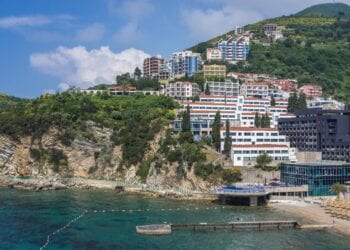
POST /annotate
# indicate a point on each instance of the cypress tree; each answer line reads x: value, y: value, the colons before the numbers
x: 292, y: 102
x: 302, y: 104
x: 216, y: 131
x: 228, y: 140
x: 273, y: 101
x: 207, y: 91
x: 186, y: 120
x: 267, y: 121
x: 257, y: 121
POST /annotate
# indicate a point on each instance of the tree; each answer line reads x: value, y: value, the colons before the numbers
x: 186, y: 120
x: 231, y: 175
x: 273, y: 101
x: 302, y: 104
x: 263, y: 160
x: 292, y: 102
x: 338, y: 188
x: 207, y: 91
x: 216, y: 131
x: 266, y: 121
x: 257, y: 120
x: 228, y: 140
x: 137, y: 73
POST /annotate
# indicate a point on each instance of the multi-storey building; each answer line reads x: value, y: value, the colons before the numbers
x: 214, y: 54
x: 317, y: 130
x: 165, y: 71
x: 311, y: 91
x: 227, y: 88
x: 151, y: 67
x: 234, y: 49
x: 214, y: 71
x: 240, y: 111
x: 249, y: 142
x: 182, y: 90
x: 285, y: 84
x: 185, y: 63
x: 255, y: 89
x: 325, y: 103
x: 273, y: 31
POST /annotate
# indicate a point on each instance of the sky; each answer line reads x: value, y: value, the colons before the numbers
x: 50, y: 45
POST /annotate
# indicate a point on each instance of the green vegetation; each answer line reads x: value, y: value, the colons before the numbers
x: 140, y: 83
x: 296, y: 102
x: 216, y: 131
x: 338, y: 188
x: 316, y: 49
x: 326, y: 10
x: 143, y: 170
x: 216, y: 174
x: 228, y: 140
x: 263, y: 160
x: 7, y: 101
x: 134, y: 119
x: 262, y: 121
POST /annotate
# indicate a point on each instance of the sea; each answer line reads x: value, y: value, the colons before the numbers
x: 100, y: 219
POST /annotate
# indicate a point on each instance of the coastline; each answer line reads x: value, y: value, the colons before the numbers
x: 313, y: 213
x: 57, y: 183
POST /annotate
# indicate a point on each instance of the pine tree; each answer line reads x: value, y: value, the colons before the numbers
x: 273, y: 101
x: 216, y: 131
x: 257, y: 121
x: 228, y: 140
x: 186, y: 120
x: 207, y: 91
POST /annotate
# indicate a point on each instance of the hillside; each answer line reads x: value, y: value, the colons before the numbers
x: 6, y: 100
x: 326, y: 10
x: 316, y: 50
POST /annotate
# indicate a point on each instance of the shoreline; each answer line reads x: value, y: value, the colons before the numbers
x: 313, y: 213
x: 58, y: 183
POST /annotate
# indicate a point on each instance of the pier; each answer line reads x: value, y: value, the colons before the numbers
x: 165, y: 229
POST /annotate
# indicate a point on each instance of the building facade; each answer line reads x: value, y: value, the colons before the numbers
x: 182, y: 90
x: 235, y: 49
x: 185, y: 63
x: 227, y: 88
x: 317, y: 130
x: 255, y: 89
x: 214, y: 71
x: 152, y: 66
x: 214, y: 54
x: 311, y: 91
x: 319, y: 176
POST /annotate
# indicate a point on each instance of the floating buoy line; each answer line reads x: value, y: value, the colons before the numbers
x: 85, y: 212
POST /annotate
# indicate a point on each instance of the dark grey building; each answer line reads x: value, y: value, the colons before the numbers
x: 326, y: 131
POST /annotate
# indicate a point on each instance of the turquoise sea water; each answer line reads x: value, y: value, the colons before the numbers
x: 26, y: 218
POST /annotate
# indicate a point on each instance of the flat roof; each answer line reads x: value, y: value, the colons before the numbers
x: 320, y: 163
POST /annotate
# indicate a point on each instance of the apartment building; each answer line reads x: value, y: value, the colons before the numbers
x: 311, y: 91
x: 214, y: 54
x: 325, y: 103
x: 273, y: 31
x: 185, y: 63
x: 182, y: 90
x: 152, y: 66
x: 235, y: 49
x: 255, y: 89
x: 227, y: 88
x: 317, y: 130
x: 214, y: 71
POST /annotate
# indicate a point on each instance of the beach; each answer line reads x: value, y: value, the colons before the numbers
x: 315, y: 214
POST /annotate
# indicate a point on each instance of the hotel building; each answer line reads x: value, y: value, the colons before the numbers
x: 214, y: 54
x: 227, y: 88
x: 234, y: 49
x: 151, y: 67
x: 317, y: 130
x: 255, y: 89
x: 182, y: 90
x: 185, y: 63
x: 311, y: 91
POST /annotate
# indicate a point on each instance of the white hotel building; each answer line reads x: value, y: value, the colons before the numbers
x: 249, y: 142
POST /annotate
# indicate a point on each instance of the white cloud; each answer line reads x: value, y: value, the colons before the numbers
x: 205, y: 24
x: 134, y: 9
x: 91, y: 33
x: 63, y: 86
x: 82, y: 68
x: 32, y: 21
x: 128, y: 34
x: 20, y: 21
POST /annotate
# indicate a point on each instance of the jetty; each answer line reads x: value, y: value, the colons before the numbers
x: 165, y: 229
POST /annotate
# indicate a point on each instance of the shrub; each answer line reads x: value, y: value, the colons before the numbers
x: 231, y: 175
x: 143, y: 170
x: 174, y: 155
